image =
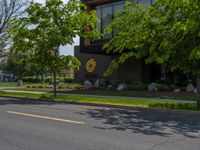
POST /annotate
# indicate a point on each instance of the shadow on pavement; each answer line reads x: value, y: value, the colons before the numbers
x: 143, y: 121
x: 146, y: 122
x: 15, y: 101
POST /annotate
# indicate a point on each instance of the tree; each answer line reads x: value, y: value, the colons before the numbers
x: 23, y: 64
x: 9, y: 9
x: 166, y: 32
x: 67, y: 62
x: 47, y: 27
x: 17, y: 62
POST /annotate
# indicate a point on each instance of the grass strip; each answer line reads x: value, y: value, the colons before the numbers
x: 144, y: 94
x: 111, y: 101
x: 8, y: 84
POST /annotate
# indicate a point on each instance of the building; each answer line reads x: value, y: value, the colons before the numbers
x: 6, y: 75
x: 94, y: 60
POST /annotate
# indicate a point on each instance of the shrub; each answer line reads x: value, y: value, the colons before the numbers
x: 69, y: 80
x: 110, y: 87
x: 49, y: 79
x: 40, y: 86
x: 163, y: 87
x: 60, y: 80
x: 61, y: 86
x: 136, y: 86
x: 31, y: 79
x: 103, y: 83
x: 114, y: 83
x: 70, y: 86
x: 73, y: 86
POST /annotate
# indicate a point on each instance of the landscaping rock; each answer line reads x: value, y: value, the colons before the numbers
x: 121, y: 87
x: 110, y: 87
x: 87, y: 85
x: 177, y: 91
x: 49, y: 86
x: 195, y: 91
x: 97, y: 83
x: 190, y: 88
x: 152, y: 87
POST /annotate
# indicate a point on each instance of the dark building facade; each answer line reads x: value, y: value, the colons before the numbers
x: 94, y: 60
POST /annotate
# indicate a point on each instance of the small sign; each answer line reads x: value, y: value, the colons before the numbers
x: 91, y: 65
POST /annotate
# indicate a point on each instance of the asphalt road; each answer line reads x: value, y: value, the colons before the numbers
x: 29, y: 125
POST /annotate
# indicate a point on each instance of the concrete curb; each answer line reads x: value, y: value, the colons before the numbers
x: 147, y: 109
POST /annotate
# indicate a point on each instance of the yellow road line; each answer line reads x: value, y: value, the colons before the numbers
x: 44, y: 117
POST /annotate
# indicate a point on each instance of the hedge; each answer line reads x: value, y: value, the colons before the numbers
x: 49, y: 79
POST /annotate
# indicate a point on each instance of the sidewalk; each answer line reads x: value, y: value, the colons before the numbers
x: 101, y: 96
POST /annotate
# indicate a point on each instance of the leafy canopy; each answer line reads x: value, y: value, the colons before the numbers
x: 47, y: 27
x: 166, y: 32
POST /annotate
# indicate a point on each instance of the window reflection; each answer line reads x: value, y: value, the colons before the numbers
x: 98, y: 12
x: 106, y: 19
x: 106, y: 13
x: 117, y: 8
x: 145, y: 2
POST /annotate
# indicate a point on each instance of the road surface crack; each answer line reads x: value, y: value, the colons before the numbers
x: 166, y: 142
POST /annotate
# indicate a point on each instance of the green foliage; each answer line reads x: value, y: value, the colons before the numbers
x: 181, y: 106
x: 31, y: 79
x: 60, y: 86
x: 18, y: 63
x: 163, y: 87
x: 136, y: 86
x: 68, y: 80
x: 49, y: 26
x: 114, y: 83
x: 9, y: 84
x: 60, y: 80
x: 67, y: 62
x: 35, y: 79
x: 70, y: 86
x: 167, y: 31
x: 111, y: 101
x: 36, y: 86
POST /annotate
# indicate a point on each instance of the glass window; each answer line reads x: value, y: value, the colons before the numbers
x: 106, y: 13
x: 145, y: 2
x: 117, y: 7
x: 98, y: 11
x: 106, y: 19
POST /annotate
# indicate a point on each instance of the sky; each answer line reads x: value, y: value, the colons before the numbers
x: 68, y: 49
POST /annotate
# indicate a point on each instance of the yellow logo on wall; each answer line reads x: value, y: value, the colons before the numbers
x: 91, y: 65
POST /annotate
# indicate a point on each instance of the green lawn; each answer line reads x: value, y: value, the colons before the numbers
x: 4, y: 84
x: 8, y: 83
x: 145, y: 94
x: 113, y: 101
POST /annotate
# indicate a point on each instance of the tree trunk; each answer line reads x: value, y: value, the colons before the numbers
x: 54, y: 84
x: 37, y: 78
x: 198, y: 94
x: 54, y: 72
x: 42, y: 81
